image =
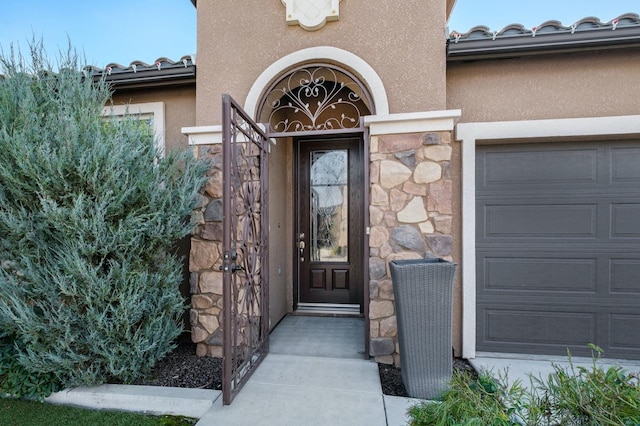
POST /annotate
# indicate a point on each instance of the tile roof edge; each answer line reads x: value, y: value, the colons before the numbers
x: 589, y: 20
x: 515, y: 40
x: 137, y: 65
x: 163, y: 72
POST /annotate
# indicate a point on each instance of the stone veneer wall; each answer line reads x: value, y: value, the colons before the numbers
x: 205, y: 259
x: 410, y: 218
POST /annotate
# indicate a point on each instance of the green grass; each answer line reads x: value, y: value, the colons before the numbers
x: 28, y: 413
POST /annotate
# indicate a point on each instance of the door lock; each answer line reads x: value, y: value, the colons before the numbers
x: 301, y: 246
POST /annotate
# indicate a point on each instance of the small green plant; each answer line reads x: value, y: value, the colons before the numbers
x: 573, y: 396
x: 18, y: 382
x: 590, y: 396
x: 469, y: 401
x: 176, y: 421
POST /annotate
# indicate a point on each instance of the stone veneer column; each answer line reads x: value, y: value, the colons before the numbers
x: 410, y: 218
x: 205, y: 259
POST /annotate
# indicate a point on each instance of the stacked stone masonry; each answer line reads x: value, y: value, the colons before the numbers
x: 410, y: 217
x: 205, y: 260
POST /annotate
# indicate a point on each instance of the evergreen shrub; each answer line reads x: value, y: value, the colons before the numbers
x: 89, y: 211
x: 572, y: 395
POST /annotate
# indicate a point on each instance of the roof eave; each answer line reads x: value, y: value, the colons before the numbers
x: 164, y: 78
x: 525, y: 45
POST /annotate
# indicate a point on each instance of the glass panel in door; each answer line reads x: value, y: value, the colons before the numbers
x: 329, y: 206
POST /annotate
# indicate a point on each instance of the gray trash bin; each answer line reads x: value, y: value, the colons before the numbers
x: 423, y: 291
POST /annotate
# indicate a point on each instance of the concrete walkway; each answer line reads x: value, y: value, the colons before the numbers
x: 315, y: 374
x: 302, y: 390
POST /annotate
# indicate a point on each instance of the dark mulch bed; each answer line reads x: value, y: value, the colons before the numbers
x: 183, y: 368
x: 391, y: 379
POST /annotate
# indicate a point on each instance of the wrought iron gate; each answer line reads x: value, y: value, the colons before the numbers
x: 245, y: 255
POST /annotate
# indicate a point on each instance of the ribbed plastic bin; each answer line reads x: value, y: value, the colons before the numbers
x: 423, y: 291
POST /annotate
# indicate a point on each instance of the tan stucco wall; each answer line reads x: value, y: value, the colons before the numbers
x: 600, y: 83
x: 404, y: 44
x: 280, y: 275
x: 179, y: 110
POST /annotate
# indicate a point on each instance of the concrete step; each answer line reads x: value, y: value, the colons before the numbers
x: 142, y: 399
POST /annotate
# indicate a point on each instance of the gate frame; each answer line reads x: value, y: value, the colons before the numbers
x: 238, y: 127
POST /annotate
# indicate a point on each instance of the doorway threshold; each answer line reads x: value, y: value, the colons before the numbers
x: 328, y: 309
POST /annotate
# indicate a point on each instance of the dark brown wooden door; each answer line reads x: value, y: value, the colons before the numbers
x: 329, y: 216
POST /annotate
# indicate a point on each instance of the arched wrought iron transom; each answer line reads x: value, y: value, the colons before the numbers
x: 315, y: 98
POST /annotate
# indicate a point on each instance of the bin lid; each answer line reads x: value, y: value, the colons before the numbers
x: 429, y: 260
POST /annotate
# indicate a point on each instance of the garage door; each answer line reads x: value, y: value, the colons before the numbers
x: 558, y: 248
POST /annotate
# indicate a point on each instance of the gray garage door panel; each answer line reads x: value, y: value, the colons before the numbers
x: 569, y: 167
x: 533, y: 167
x: 625, y: 331
x: 540, y: 220
x: 625, y: 165
x: 543, y: 274
x: 625, y: 220
x: 625, y: 275
x: 558, y: 248
x: 532, y: 327
x: 600, y: 276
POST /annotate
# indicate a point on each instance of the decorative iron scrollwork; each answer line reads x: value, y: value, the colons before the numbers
x: 315, y: 99
x: 246, y: 281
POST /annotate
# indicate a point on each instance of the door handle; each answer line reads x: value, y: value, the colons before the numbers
x: 233, y: 268
x: 301, y: 246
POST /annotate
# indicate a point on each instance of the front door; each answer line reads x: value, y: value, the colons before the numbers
x: 329, y: 216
